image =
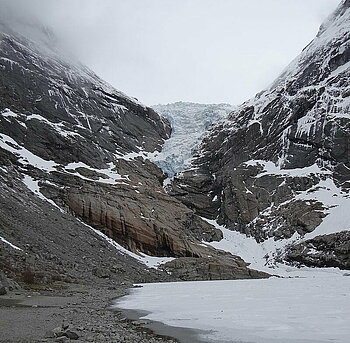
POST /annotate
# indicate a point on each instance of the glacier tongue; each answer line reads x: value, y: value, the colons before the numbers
x: 190, y: 123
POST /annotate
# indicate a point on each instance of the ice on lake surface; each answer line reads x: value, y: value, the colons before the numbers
x: 283, y: 310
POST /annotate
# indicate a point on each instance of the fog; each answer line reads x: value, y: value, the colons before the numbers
x: 161, y: 51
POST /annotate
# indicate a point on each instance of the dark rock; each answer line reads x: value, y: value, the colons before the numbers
x: 246, y: 172
x: 322, y: 251
x: 62, y: 112
x: 101, y: 273
x: 212, y: 268
x: 65, y: 326
x: 2, y: 290
x: 71, y: 334
x: 58, y: 332
x: 7, y: 284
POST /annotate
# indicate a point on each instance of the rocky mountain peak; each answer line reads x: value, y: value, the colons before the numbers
x: 278, y: 167
x: 72, y: 143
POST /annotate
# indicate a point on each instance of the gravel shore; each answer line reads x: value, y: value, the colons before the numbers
x: 75, y: 312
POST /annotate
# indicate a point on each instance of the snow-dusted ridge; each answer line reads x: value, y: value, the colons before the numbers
x: 276, y: 169
x: 270, y: 168
x: 109, y: 176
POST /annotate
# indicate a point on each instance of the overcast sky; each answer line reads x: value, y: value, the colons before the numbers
x: 163, y: 51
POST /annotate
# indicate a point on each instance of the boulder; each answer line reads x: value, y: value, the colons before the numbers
x: 212, y: 268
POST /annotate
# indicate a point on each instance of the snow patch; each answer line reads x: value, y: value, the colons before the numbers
x: 26, y: 157
x: 58, y: 127
x: 2, y: 239
x: 337, y: 203
x: 110, y: 175
x: 269, y: 168
x: 33, y: 186
x: 261, y: 255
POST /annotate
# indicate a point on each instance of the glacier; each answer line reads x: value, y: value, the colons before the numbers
x: 190, y: 123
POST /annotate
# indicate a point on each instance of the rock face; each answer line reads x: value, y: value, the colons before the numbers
x: 141, y: 219
x: 63, y: 112
x: 322, y: 251
x: 69, y: 140
x: 279, y: 165
x: 211, y: 268
x: 48, y: 246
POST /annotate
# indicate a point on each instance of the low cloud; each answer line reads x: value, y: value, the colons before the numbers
x: 192, y: 50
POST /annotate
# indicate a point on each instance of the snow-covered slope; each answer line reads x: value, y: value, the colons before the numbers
x: 190, y: 122
x: 278, y: 168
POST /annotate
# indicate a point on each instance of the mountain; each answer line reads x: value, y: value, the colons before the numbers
x: 77, y: 196
x: 277, y: 169
x: 190, y: 123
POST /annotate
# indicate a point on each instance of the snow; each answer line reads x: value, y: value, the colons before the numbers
x: 261, y: 255
x: 110, y: 175
x: 269, y: 168
x: 8, y: 113
x: 33, y: 185
x: 132, y: 155
x: 275, y: 310
x: 190, y: 122
x: 25, y: 156
x: 58, y: 127
x: 2, y: 239
x: 337, y: 203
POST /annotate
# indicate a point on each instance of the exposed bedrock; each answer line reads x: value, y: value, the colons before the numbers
x: 259, y: 171
x: 212, y: 268
x: 138, y: 215
x: 261, y: 206
x: 322, y: 251
x: 74, y: 140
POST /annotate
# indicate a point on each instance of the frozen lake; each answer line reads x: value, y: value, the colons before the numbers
x: 275, y: 310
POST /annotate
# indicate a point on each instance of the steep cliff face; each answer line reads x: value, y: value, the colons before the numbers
x: 50, y: 100
x: 279, y: 165
x: 79, y: 145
